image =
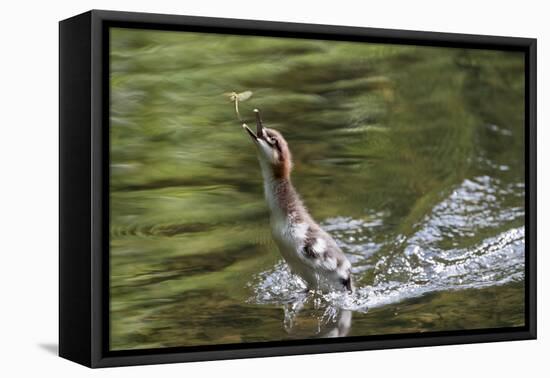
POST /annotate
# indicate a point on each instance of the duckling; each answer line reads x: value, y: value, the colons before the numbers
x: 310, y: 252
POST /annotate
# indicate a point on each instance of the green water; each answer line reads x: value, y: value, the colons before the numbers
x: 411, y: 157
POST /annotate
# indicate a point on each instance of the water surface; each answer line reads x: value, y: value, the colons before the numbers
x: 410, y: 157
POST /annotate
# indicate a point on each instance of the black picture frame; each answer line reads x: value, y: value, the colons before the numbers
x: 84, y: 192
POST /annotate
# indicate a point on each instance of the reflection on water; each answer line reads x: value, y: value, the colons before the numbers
x: 410, y: 157
x: 324, y: 321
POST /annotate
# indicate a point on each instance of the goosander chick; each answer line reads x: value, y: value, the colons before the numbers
x: 310, y: 252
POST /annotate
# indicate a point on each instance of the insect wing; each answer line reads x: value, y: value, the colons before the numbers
x: 243, y: 96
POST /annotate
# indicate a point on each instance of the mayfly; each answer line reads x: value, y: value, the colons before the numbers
x: 236, y: 97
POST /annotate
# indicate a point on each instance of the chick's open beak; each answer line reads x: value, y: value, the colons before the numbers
x: 250, y: 132
x: 259, y: 127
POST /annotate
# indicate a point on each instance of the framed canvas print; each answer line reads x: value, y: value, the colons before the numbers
x: 234, y: 188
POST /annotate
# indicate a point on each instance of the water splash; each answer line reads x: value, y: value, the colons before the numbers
x: 410, y: 266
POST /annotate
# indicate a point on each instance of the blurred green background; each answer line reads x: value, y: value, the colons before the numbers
x: 411, y: 157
